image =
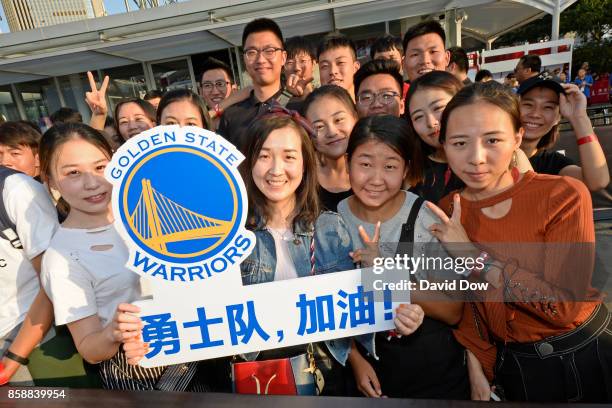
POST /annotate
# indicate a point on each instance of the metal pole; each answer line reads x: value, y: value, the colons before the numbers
x: 239, y: 63
x: 231, y: 59
x: 58, y: 89
x: 556, y: 17
x: 18, y: 102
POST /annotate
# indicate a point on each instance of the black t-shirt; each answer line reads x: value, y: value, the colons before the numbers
x: 330, y: 200
x: 546, y: 162
x: 236, y: 119
x: 435, y: 186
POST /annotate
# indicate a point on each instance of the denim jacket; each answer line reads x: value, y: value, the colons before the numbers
x: 332, y: 246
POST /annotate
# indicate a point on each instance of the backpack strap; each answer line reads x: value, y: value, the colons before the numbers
x: 284, y: 98
x: 407, y: 235
x: 8, y: 229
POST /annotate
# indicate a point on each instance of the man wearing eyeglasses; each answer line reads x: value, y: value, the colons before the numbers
x: 217, y: 85
x: 378, y: 89
x: 217, y: 82
x: 264, y: 56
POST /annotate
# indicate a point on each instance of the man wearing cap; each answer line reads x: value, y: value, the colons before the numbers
x: 543, y: 102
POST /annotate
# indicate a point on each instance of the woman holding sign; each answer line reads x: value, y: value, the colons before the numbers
x: 381, y: 157
x: 83, y: 270
x: 294, y: 238
x: 540, y: 333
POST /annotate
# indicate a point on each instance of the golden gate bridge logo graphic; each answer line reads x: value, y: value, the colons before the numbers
x: 158, y: 220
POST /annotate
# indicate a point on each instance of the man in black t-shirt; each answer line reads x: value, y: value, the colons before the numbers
x: 550, y: 162
x: 264, y: 57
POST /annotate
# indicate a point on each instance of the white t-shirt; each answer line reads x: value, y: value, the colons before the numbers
x: 29, y: 207
x: 84, y: 274
x: 285, y: 269
x: 390, y: 232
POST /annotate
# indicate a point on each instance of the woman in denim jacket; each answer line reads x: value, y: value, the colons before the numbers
x: 294, y: 238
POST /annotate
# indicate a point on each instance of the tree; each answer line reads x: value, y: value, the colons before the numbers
x: 590, y: 19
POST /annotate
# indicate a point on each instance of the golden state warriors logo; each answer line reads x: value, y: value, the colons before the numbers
x: 180, y: 201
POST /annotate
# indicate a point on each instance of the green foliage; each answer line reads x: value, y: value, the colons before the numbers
x: 589, y: 19
x: 598, y: 54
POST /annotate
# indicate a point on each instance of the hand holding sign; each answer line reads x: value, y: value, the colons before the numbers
x: 125, y: 326
x: 96, y: 98
x: 192, y: 248
x: 408, y: 318
x: 365, y: 256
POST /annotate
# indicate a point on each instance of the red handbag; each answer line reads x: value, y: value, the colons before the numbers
x: 283, y: 376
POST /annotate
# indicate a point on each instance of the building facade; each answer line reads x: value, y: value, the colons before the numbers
x: 29, y: 14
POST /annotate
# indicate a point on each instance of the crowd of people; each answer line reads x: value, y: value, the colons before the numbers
x: 336, y: 176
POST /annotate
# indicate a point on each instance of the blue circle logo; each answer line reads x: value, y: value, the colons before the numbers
x: 180, y: 204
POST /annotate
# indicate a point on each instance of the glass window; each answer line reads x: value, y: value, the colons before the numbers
x: 125, y: 82
x: 40, y: 100
x: 170, y: 75
x: 395, y: 28
x: 73, y: 89
x: 363, y: 37
x: 8, y: 109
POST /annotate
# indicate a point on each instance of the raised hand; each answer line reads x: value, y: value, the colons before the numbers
x: 366, y: 255
x: 96, y: 98
x: 450, y: 229
x: 573, y: 103
x: 296, y: 85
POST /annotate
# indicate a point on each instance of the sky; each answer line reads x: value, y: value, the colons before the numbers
x: 112, y: 7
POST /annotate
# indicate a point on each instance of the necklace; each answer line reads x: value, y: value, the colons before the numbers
x: 283, y: 234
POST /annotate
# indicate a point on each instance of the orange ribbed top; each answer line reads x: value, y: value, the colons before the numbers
x: 540, y: 281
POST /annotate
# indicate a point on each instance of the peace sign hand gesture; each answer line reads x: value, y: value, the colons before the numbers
x: 450, y: 229
x: 96, y: 98
x: 366, y: 255
x: 296, y: 85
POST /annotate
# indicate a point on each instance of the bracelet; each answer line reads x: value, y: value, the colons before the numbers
x: 587, y: 139
x: 218, y: 111
x: 21, y: 360
x: 477, y: 272
x: 3, y: 377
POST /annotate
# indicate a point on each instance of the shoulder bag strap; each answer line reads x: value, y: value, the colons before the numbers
x: 407, y: 235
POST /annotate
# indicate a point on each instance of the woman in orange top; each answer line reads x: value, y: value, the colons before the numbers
x: 538, y: 333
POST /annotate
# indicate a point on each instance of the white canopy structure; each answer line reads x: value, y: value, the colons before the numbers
x: 204, y: 25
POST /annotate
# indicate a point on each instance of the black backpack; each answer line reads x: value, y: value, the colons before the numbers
x: 8, y: 230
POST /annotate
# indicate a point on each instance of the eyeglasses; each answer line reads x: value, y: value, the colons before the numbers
x: 220, y: 85
x: 368, y: 98
x: 253, y: 53
x: 292, y: 62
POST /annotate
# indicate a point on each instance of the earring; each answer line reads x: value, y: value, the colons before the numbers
x: 514, y: 171
x: 447, y: 176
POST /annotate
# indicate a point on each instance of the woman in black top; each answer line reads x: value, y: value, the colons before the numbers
x: 332, y: 113
x: 543, y: 101
x: 425, y: 102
